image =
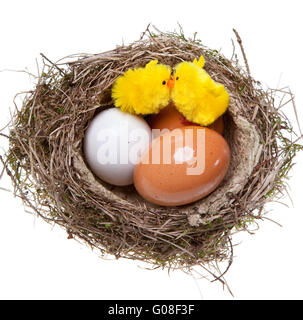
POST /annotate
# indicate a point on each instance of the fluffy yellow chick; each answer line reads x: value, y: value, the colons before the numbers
x: 199, y: 98
x: 143, y: 90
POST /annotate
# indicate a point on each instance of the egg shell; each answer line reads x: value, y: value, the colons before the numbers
x: 218, y: 125
x: 174, y: 184
x: 109, y: 142
x: 170, y: 118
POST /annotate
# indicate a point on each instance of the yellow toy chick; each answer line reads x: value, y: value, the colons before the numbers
x: 143, y: 90
x: 199, y: 98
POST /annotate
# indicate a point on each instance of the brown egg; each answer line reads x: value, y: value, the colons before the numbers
x: 218, y: 125
x: 170, y: 118
x: 182, y: 166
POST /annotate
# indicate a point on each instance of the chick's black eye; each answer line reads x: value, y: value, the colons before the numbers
x: 177, y: 78
x: 164, y: 82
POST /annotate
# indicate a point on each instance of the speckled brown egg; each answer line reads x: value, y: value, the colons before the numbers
x: 182, y: 166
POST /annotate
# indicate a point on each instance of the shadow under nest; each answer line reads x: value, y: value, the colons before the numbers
x: 45, y: 158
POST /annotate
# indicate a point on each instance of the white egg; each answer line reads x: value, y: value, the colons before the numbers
x: 113, y: 143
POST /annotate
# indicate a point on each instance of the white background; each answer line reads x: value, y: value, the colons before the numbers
x: 36, y: 259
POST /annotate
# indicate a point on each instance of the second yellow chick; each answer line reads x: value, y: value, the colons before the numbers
x: 199, y: 98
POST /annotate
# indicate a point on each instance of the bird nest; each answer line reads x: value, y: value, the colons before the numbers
x: 46, y: 164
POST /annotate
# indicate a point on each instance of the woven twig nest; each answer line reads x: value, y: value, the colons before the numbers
x: 46, y: 164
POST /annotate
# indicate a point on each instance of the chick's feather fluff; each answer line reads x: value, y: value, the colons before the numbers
x: 199, y: 98
x: 143, y: 90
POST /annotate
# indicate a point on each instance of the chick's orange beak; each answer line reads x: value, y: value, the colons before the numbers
x: 171, y: 82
